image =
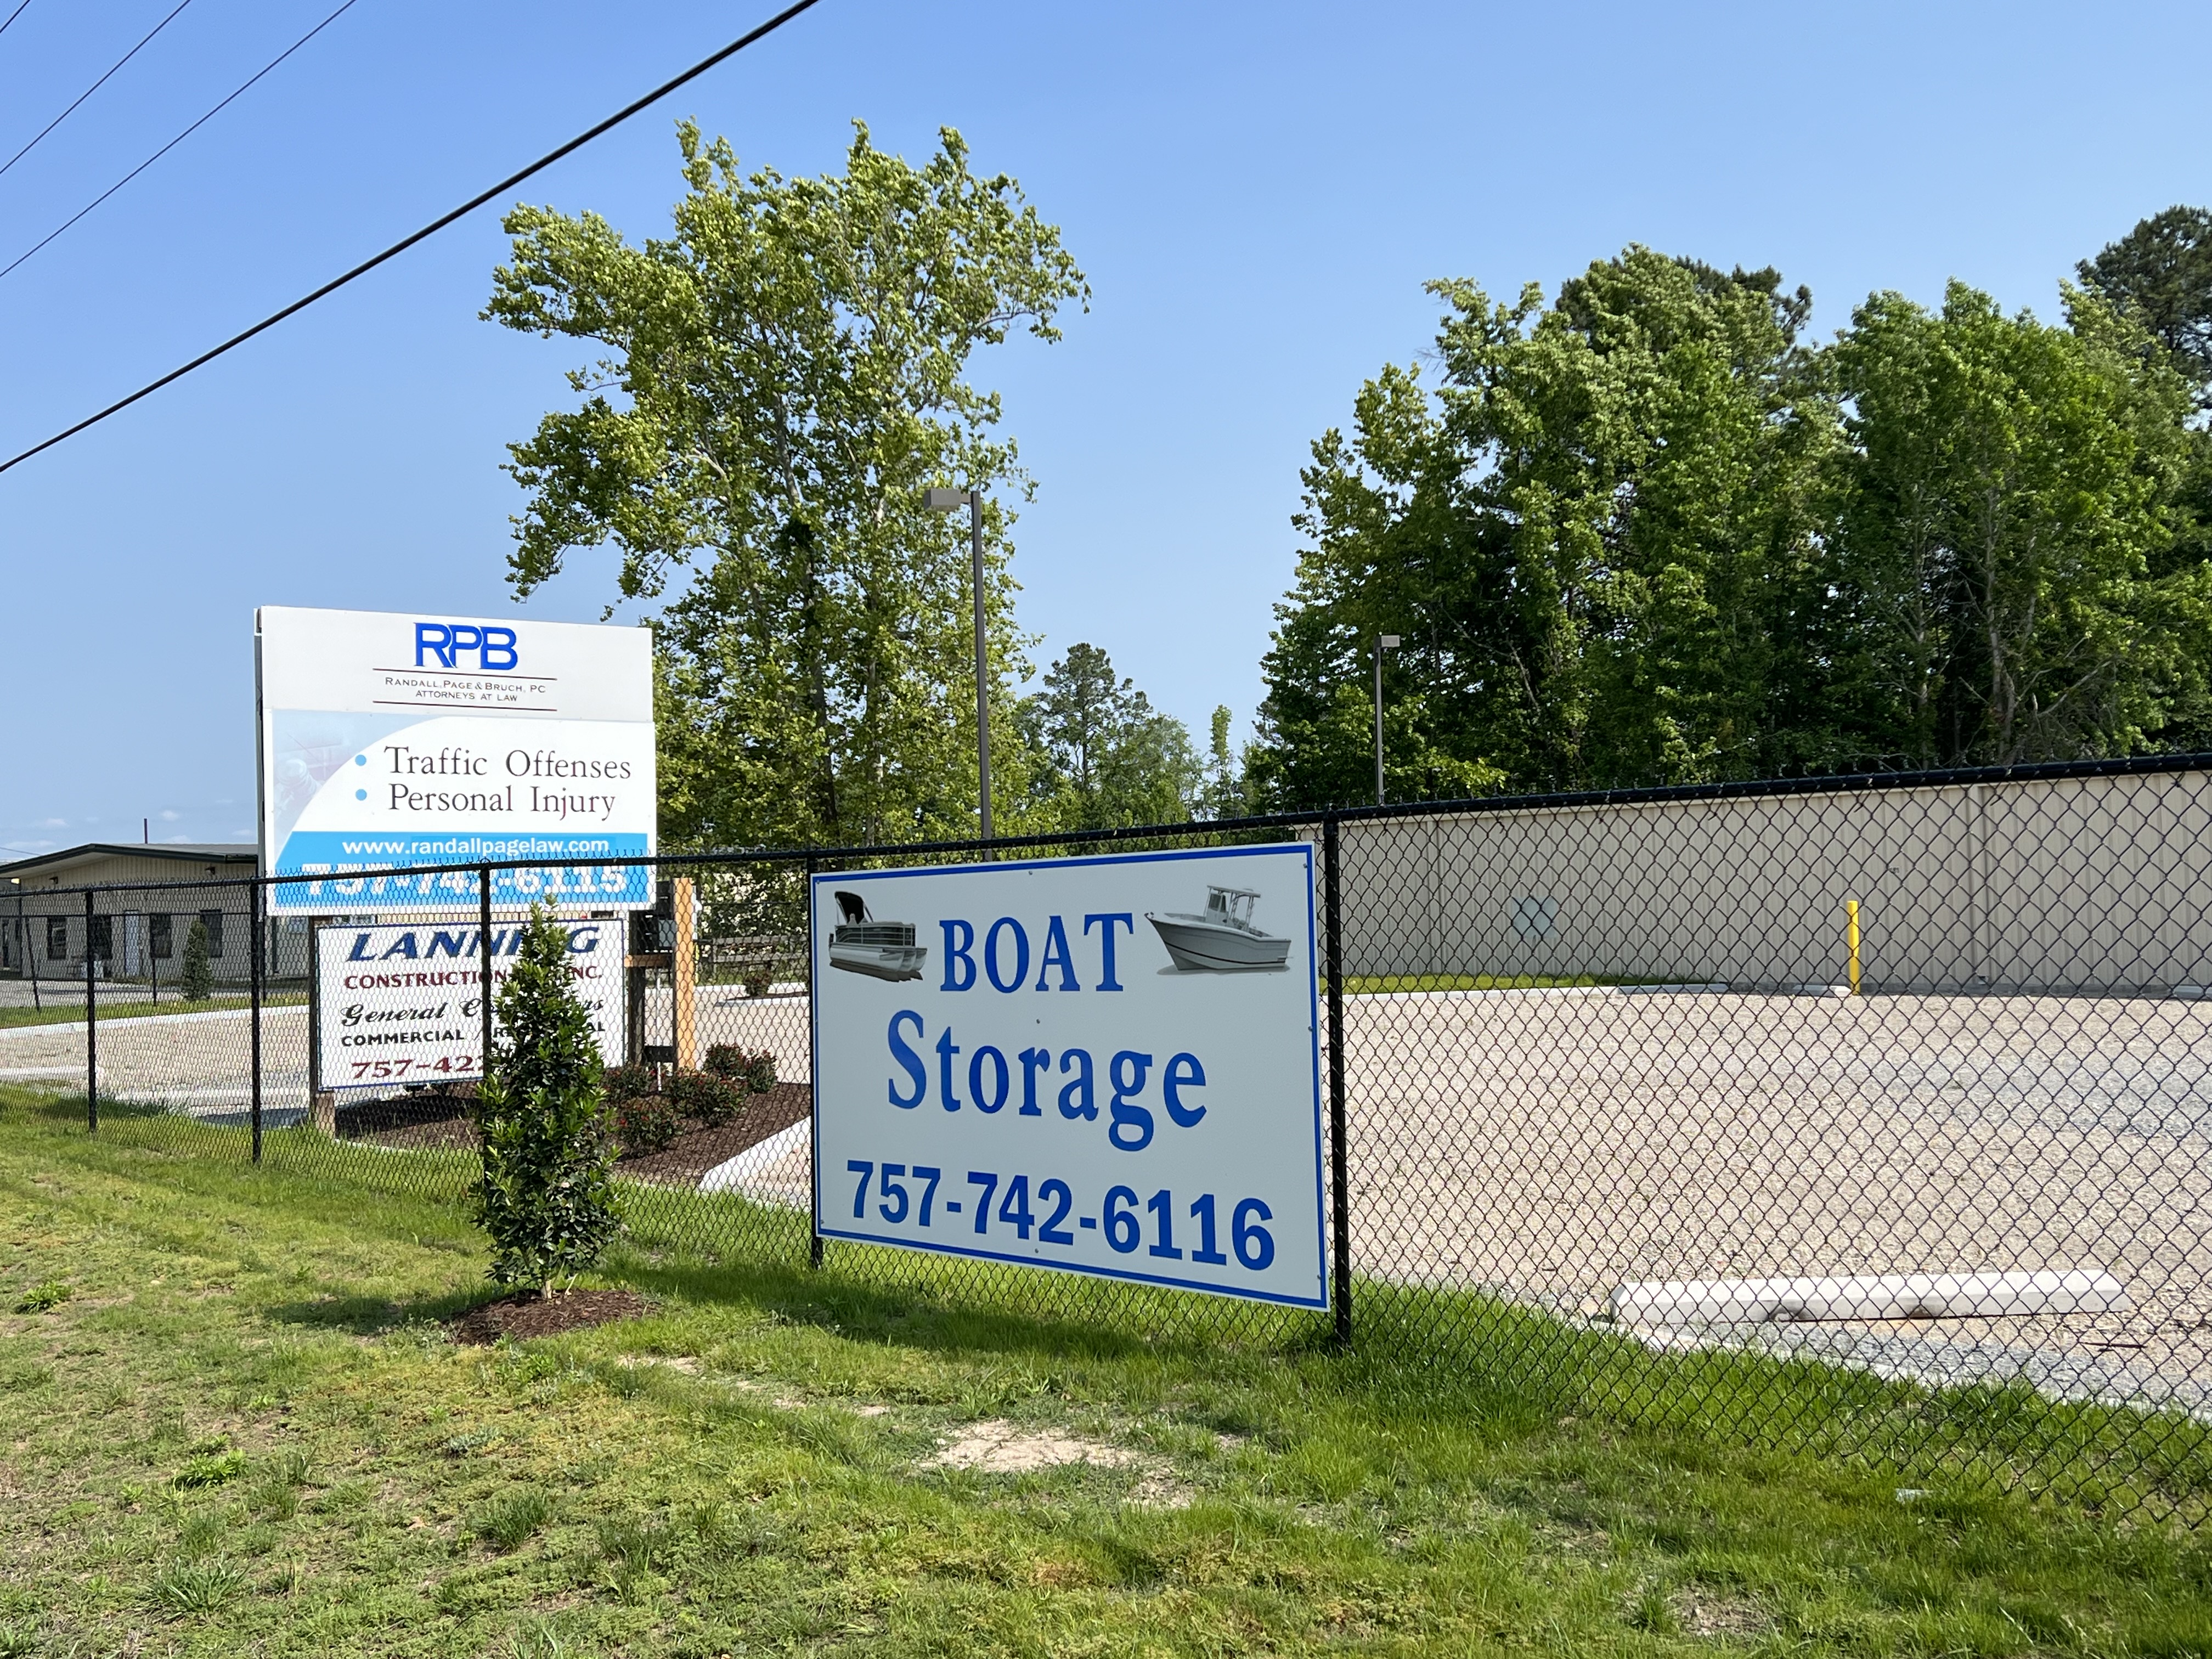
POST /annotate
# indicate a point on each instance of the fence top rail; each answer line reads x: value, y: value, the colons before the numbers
x: 1823, y: 784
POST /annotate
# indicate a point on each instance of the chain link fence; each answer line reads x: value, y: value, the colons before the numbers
x: 1865, y: 1116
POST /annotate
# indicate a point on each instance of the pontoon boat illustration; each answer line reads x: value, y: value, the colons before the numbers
x: 1224, y: 939
x: 881, y: 950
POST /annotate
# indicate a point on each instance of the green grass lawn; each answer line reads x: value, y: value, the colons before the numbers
x: 230, y: 1422
x: 65, y: 1005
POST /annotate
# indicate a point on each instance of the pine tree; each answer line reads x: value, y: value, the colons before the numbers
x: 197, y: 979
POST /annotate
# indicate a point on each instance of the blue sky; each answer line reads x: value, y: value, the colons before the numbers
x: 1256, y: 191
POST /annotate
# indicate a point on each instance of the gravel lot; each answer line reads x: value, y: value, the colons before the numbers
x: 1557, y: 1143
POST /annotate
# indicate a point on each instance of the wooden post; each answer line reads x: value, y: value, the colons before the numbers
x: 685, y: 965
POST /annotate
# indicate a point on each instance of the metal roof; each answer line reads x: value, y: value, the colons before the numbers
x: 201, y: 853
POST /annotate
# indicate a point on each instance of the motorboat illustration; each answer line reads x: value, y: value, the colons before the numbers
x: 1224, y: 939
x: 882, y: 950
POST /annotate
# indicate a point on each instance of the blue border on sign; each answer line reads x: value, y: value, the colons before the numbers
x: 1302, y: 850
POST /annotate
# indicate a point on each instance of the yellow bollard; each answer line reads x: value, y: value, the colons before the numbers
x: 1851, y: 940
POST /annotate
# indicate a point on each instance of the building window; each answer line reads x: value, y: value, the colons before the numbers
x: 212, y: 921
x: 102, y: 929
x: 58, y: 938
x: 160, y: 937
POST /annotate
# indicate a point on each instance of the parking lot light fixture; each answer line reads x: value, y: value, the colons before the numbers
x: 941, y: 499
x: 1383, y: 643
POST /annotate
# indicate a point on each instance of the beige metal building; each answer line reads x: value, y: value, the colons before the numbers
x: 44, y: 929
x: 2071, y: 884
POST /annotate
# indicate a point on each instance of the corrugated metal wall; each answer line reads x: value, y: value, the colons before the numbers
x: 2084, y: 884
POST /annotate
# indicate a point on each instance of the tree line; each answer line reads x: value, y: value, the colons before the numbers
x: 1649, y: 533
x: 1645, y: 532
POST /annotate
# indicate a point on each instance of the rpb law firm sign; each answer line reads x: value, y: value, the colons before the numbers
x: 1106, y: 1065
x: 401, y: 1003
x: 390, y: 740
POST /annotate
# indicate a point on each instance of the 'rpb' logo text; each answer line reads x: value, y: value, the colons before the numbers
x: 492, y: 647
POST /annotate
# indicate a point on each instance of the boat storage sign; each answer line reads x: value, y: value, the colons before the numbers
x: 1109, y: 1065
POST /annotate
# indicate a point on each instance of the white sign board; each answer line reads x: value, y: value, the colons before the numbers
x: 400, y: 1003
x: 391, y: 740
x: 1108, y: 1065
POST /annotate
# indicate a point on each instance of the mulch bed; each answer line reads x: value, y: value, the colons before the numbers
x: 441, y: 1120
x: 697, y: 1151
x: 432, y: 1119
x: 528, y: 1313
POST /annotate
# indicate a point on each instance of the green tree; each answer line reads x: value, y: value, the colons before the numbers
x: 781, y: 380
x: 1104, y: 757
x: 546, y: 1192
x: 197, y: 977
x: 1593, y: 537
x: 1223, y: 794
x: 2000, y: 537
x: 2162, y: 271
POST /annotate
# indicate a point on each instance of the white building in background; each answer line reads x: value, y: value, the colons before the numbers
x: 131, y: 935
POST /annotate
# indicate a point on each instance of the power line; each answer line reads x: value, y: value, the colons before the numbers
x: 14, y: 14
x: 430, y: 230
x: 94, y: 87
x: 174, y: 142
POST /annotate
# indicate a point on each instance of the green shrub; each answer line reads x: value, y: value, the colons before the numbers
x: 713, y: 1100
x: 44, y: 1298
x: 754, y: 1067
x: 546, y: 1193
x: 647, y: 1123
x: 196, y: 1587
x: 507, y: 1522
x: 210, y: 1469
x: 632, y: 1082
x: 197, y: 979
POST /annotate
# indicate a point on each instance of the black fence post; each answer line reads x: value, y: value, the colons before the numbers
x: 483, y: 970
x: 255, y: 920
x: 91, y: 1029
x: 1340, y: 1175
x: 814, y: 1249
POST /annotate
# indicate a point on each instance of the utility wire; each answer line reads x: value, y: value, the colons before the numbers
x: 94, y: 87
x: 174, y: 142
x: 430, y: 230
x: 14, y: 14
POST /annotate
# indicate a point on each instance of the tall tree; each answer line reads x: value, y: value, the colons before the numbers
x: 1999, y: 538
x: 1590, y: 537
x: 1107, y: 756
x: 2162, y: 271
x: 781, y: 380
x: 1223, y: 793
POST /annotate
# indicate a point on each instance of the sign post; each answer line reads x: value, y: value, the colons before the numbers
x: 1109, y: 1066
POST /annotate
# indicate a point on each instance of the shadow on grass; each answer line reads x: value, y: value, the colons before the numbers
x: 374, y: 1315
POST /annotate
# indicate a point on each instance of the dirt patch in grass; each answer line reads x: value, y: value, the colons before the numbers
x: 998, y: 1447
x: 441, y: 1120
x: 527, y: 1314
x: 1704, y: 1611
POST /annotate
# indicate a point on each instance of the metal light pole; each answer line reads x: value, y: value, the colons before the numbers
x: 944, y: 501
x: 1383, y: 643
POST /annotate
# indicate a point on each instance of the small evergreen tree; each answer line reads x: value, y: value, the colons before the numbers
x: 546, y: 1195
x: 197, y: 979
